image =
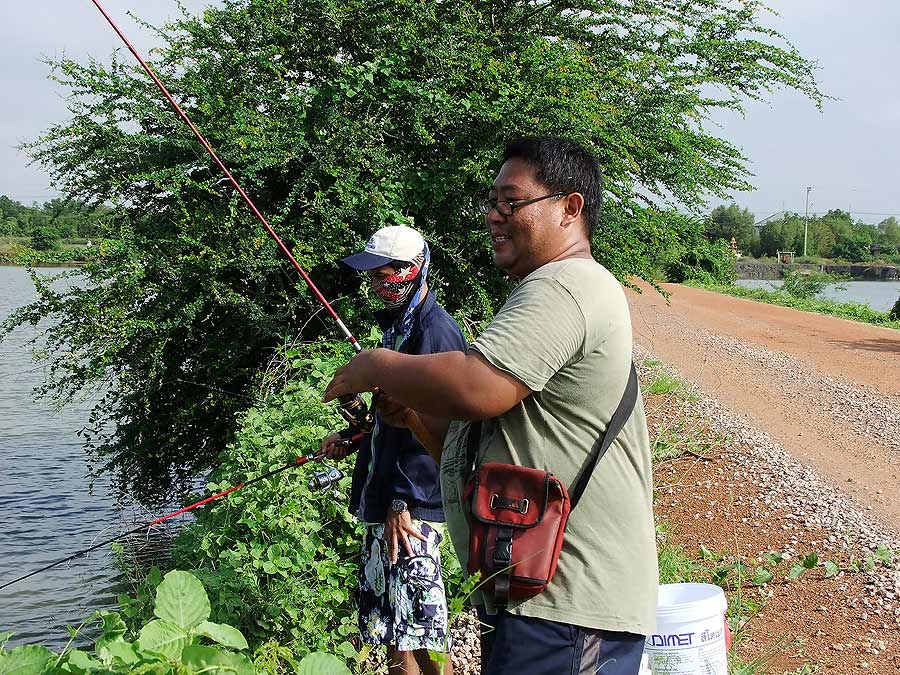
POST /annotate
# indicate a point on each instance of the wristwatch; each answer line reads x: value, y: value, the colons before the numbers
x: 398, y: 506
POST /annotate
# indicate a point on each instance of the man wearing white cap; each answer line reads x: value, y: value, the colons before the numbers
x: 396, y: 486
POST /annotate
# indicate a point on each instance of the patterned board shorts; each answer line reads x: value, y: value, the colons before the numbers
x: 403, y: 605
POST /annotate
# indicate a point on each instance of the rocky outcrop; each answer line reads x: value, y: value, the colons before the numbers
x: 755, y: 270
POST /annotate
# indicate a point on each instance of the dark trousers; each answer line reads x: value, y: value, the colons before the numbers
x: 521, y: 645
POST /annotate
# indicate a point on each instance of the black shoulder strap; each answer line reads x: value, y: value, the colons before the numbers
x: 473, y: 440
x: 616, y: 422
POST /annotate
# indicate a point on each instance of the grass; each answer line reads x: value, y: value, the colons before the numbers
x: 664, y: 384
x: 675, y: 566
x: 854, y: 311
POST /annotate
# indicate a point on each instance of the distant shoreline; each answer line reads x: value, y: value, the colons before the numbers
x: 856, y: 271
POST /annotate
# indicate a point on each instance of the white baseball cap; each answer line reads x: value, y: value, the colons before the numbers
x: 397, y: 242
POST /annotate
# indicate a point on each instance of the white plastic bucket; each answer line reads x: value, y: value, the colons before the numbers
x: 690, y: 631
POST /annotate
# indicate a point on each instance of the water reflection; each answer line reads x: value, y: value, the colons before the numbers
x: 48, y: 505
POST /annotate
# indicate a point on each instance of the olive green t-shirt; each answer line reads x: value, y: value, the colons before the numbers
x: 565, y: 332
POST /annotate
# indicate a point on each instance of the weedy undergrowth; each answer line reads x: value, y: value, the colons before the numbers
x: 180, y: 640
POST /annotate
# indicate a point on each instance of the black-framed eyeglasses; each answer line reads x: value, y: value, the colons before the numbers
x: 506, y: 208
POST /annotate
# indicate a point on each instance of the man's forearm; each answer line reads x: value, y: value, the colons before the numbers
x: 432, y: 384
x: 449, y: 385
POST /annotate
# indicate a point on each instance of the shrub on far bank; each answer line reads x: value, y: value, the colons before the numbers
x: 805, y: 285
x: 17, y: 251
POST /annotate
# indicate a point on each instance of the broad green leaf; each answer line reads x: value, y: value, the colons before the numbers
x: 162, y: 637
x: 26, y: 660
x: 81, y: 660
x: 763, y: 576
x: 113, y: 626
x: 884, y: 554
x: 226, y: 635
x: 870, y: 562
x: 320, y: 663
x: 796, y: 571
x: 123, y: 651
x: 810, y: 560
x: 830, y: 568
x: 215, y: 661
x: 182, y: 600
x: 347, y: 650
x: 774, y: 557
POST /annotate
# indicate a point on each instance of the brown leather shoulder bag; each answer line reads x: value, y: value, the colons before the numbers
x: 518, y: 515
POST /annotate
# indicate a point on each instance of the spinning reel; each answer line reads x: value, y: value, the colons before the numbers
x: 326, y: 479
x: 360, y: 418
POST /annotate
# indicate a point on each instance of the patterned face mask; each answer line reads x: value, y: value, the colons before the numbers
x: 396, y: 289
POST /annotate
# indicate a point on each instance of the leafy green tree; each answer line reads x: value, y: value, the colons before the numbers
x: 889, y: 232
x: 784, y: 234
x: 13, y: 214
x: 821, y: 237
x: 849, y: 241
x: 697, y: 258
x: 44, y: 237
x: 339, y: 117
x: 732, y: 221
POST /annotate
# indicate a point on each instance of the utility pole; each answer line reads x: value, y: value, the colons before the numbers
x: 806, y: 220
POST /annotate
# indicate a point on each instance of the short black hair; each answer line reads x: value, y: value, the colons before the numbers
x: 563, y: 165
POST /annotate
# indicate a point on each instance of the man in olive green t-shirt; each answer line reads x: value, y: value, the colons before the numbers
x: 545, y: 376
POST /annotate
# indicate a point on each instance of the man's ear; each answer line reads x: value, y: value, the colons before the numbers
x: 572, y: 207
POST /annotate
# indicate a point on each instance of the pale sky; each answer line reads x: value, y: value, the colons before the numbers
x: 849, y: 154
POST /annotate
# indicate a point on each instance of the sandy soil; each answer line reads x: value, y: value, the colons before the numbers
x: 808, y: 409
x: 826, y: 389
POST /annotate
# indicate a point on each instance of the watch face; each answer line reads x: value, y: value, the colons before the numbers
x: 398, y: 506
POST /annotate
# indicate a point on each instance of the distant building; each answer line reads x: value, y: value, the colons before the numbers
x: 775, y: 216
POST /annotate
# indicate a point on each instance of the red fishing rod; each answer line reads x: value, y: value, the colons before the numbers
x: 352, y: 407
x: 320, y: 481
x: 212, y: 153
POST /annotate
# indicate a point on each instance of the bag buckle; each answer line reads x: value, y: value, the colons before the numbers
x: 503, y: 549
x: 517, y: 505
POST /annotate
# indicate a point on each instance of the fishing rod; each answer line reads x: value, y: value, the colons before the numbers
x: 321, y: 480
x: 352, y: 407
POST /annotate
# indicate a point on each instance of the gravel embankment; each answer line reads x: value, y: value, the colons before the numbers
x: 834, y: 521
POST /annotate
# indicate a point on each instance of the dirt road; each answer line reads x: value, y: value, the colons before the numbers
x: 826, y: 389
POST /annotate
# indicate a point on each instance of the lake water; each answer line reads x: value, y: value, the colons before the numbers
x: 47, y: 507
x: 880, y: 295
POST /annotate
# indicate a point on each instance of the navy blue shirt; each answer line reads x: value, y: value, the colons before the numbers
x: 400, y: 467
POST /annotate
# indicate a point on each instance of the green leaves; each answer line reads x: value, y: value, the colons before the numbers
x: 181, y: 600
x: 163, y: 637
x: 26, y: 660
x: 162, y: 646
x: 831, y: 568
x: 319, y: 663
x: 225, y: 635
x: 762, y: 577
x: 210, y: 661
x: 340, y: 118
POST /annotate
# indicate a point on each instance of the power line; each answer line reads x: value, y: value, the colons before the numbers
x: 854, y: 212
